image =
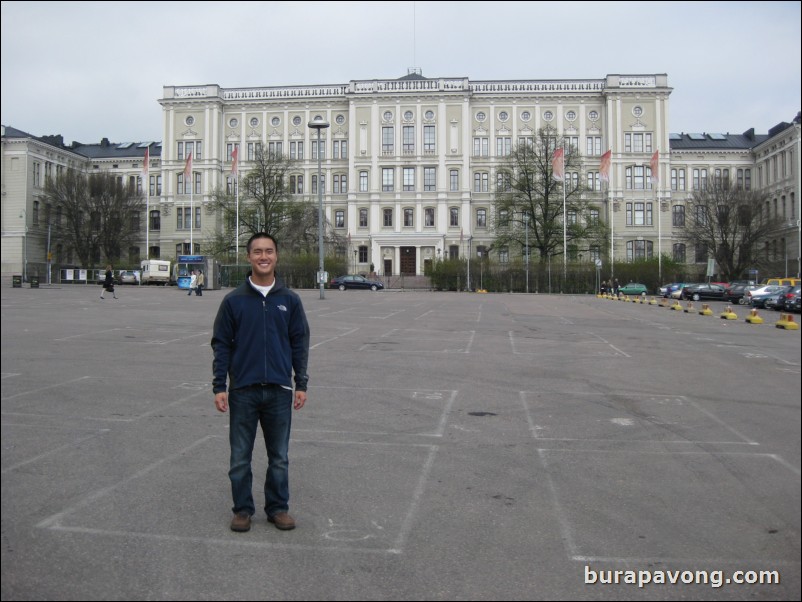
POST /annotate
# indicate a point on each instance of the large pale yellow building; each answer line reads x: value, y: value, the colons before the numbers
x: 410, y: 166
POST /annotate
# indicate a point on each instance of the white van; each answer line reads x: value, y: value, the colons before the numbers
x: 155, y: 271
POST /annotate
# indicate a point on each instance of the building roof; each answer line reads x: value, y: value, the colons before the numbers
x: 103, y: 150
x: 716, y: 141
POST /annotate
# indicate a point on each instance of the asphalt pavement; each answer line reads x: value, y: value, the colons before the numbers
x: 454, y: 446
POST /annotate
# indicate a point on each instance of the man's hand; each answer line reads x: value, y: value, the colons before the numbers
x: 300, y: 400
x: 221, y: 401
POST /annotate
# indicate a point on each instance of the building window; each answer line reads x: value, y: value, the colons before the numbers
x: 635, y: 179
x: 363, y: 181
x: 480, y: 179
x: 504, y: 255
x: 503, y: 181
x: 677, y: 179
x: 481, y: 218
x: 363, y: 254
x: 701, y: 253
x: 363, y: 218
x: 155, y: 222
x: 428, y: 217
x: 503, y: 146
x: 678, y: 216
x: 388, y: 218
x: 429, y: 146
x: 429, y: 179
x: 699, y: 179
x: 387, y: 140
x: 678, y: 252
x: 593, y: 217
x: 638, y: 250
x: 408, y: 135
x: 639, y: 214
x: 570, y: 217
x: 480, y: 147
x: 594, y: 181
x: 454, y: 180
x: 701, y: 215
x: 409, y: 217
x: 453, y: 216
x: 318, y: 148
x: 339, y: 218
x: 593, y: 145
x: 387, y: 179
x: 409, y: 178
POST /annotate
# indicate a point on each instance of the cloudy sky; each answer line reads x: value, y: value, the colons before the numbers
x: 89, y: 70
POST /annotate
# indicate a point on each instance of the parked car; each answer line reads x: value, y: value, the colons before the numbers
x: 757, y: 296
x: 127, y: 277
x: 793, y: 304
x: 776, y: 301
x: 677, y: 293
x: 633, y: 288
x: 698, y: 292
x: 783, y: 280
x: 735, y: 293
x: 351, y: 281
x: 787, y: 297
x: 667, y: 289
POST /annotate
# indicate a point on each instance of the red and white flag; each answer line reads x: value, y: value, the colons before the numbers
x: 558, y: 165
x: 145, y: 165
x: 604, y: 166
x: 234, y: 163
x: 188, y: 167
x: 654, y: 164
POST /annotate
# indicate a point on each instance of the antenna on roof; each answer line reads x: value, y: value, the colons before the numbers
x: 414, y: 70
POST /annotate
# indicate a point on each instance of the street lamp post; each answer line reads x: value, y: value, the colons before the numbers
x: 526, y: 222
x: 319, y: 124
x: 24, y: 216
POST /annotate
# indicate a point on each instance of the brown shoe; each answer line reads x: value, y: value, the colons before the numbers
x: 241, y: 522
x: 282, y: 520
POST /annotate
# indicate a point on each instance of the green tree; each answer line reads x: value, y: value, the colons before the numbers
x: 732, y: 224
x: 99, y: 215
x: 528, y: 196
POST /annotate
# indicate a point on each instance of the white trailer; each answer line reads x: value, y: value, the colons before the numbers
x: 155, y: 271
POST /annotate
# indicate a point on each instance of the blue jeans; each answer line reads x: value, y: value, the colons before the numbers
x: 270, y: 406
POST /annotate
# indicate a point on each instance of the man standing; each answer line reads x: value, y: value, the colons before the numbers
x: 199, y: 282
x: 260, y: 338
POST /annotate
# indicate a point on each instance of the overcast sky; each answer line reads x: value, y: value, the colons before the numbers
x: 89, y: 70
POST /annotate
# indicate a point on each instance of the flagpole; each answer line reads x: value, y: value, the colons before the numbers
x: 612, y: 231
x: 146, y: 178
x: 236, y: 190
x: 147, y: 221
x: 565, y: 239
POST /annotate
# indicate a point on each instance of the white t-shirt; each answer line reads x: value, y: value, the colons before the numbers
x: 262, y: 289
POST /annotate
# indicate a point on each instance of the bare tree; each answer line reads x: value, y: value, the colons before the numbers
x: 99, y: 215
x: 267, y: 204
x: 529, y: 196
x: 732, y: 224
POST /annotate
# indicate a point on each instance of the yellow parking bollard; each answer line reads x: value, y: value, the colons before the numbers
x: 787, y: 322
x: 753, y: 318
x: 705, y: 311
x: 728, y: 314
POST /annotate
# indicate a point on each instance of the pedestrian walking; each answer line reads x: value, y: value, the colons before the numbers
x: 200, y: 281
x: 108, y: 283
x: 260, y: 338
x: 193, y: 281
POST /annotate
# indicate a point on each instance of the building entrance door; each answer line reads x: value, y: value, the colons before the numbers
x: 388, y: 267
x: 408, y: 261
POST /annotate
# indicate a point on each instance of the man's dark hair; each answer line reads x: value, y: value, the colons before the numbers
x: 261, y: 235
